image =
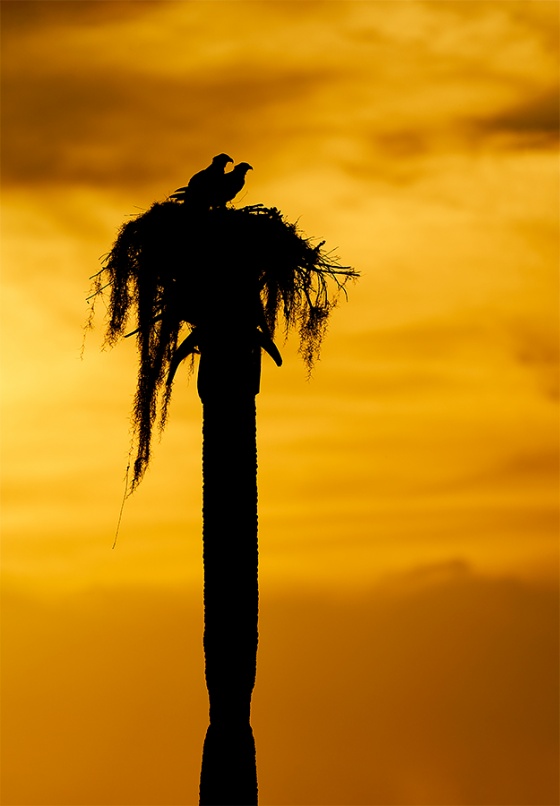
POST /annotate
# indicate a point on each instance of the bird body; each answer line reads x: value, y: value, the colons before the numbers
x: 231, y: 183
x: 204, y: 185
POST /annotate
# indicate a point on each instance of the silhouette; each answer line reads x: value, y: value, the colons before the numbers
x: 232, y: 183
x: 206, y: 185
x: 225, y: 277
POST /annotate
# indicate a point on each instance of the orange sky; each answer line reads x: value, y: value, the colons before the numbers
x: 408, y: 492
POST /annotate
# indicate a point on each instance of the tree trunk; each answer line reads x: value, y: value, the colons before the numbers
x: 227, y: 390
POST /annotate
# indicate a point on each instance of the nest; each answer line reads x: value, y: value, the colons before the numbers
x: 174, y: 269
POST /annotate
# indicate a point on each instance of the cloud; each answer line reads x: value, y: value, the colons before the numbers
x: 332, y: 122
x: 83, y: 109
x: 533, y: 121
x: 439, y: 686
x: 123, y: 93
x: 441, y: 701
x: 536, y: 347
x: 19, y: 16
x: 107, y: 130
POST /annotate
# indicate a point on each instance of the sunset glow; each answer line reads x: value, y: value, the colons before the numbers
x: 408, y: 490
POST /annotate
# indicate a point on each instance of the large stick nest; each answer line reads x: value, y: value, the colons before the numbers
x: 164, y: 274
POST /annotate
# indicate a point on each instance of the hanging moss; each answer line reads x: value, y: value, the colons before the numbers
x: 170, y: 270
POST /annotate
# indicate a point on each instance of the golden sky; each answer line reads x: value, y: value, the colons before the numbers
x: 408, y: 491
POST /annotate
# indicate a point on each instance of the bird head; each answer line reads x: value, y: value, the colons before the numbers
x: 221, y: 160
x: 243, y: 167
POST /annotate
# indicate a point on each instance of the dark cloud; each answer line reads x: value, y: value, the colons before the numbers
x: 401, y: 152
x: 105, y: 129
x: 94, y: 117
x: 398, y: 151
x: 25, y: 15
x: 533, y: 121
x: 537, y: 347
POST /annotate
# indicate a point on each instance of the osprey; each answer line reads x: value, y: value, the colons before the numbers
x: 231, y: 183
x: 204, y: 186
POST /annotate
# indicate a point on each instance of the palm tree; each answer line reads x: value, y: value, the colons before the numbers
x: 222, y: 278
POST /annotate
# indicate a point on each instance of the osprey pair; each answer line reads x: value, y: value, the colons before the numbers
x: 213, y: 187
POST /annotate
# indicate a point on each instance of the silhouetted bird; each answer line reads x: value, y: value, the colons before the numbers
x: 204, y: 186
x: 231, y: 183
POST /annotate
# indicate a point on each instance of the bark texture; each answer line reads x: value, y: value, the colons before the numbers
x: 228, y: 776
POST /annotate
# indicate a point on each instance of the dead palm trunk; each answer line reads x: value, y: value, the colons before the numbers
x: 227, y: 383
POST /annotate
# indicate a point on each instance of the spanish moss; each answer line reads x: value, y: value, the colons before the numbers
x: 163, y: 276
